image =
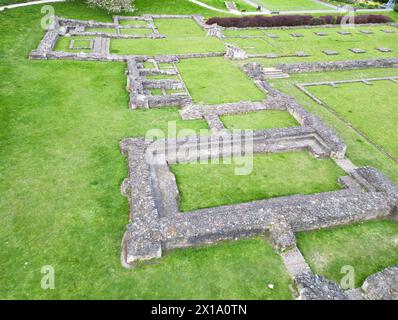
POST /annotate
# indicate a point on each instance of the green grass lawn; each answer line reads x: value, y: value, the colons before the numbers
x: 61, y: 170
x: 220, y: 4
x: 368, y: 247
x: 133, y: 22
x: 135, y: 31
x: 374, y: 112
x: 173, y: 7
x: 177, y: 28
x: 63, y: 44
x: 103, y: 30
x: 166, y: 46
x: 217, y: 80
x: 291, y: 5
x: 183, y: 36
x: 259, y: 120
x: 161, y: 77
x: 359, y: 150
x: 314, y: 45
x: 273, y: 175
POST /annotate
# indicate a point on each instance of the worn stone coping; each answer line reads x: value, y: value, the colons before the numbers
x: 357, y: 50
x: 197, y: 111
x: 306, y: 67
x: 56, y: 55
x: 119, y: 36
x: 315, y: 287
x: 330, y: 52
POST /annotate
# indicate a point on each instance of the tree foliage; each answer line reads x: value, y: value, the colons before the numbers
x: 113, y: 5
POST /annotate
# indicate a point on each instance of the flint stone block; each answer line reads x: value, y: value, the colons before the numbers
x: 302, y: 54
x: 382, y: 49
x: 382, y: 285
x: 281, y: 235
x: 315, y: 287
x: 330, y: 52
x: 357, y: 50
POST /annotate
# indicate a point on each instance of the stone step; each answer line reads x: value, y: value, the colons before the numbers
x: 274, y: 73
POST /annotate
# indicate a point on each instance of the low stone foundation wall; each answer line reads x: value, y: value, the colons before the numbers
x: 140, y: 87
x: 305, y: 67
x: 300, y: 212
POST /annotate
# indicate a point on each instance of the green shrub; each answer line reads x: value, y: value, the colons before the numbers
x: 112, y: 5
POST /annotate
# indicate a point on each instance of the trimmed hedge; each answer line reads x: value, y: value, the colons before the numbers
x: 292, y: 20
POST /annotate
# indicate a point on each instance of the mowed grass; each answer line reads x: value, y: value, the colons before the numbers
x: 291, y: 5
x: 272, y: 175
x: 135, y: 31
x: 182, y: 36
x: 163, y: 46
x: 217, y: 80
x: 259, y: 120
x: 177, y: 28
x: 63, y: 44
x: 220, y: 4
x: 372, y: 109
x: 102, y: 30
x: 126, y: 22
x: 173, y: 7
x: 367, y: 247
x: 359, y: 151
x: 313, y: 44
x: 61, y: 170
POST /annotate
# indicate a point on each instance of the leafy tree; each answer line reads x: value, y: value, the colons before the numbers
x: 113, y: 5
